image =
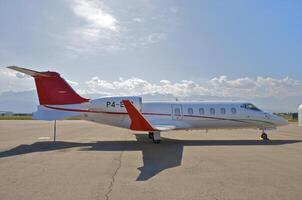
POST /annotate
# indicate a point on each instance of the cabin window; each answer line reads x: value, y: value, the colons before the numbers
x: 233, y: 111
x: 190, y: 111
x: 222, y: 111
x: 201, y: 111
x: 212, y: 111
x: 177, y: 111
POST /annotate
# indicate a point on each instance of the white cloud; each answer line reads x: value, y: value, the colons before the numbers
x: 104, y: 31
x: 155, y: 37
x: 222, y: 86
x: 138, y: 19
x: 96, y: 82
x: 259, y: 87
x: 219, y: 86
x: 94, y: 13
x: 72, y: 83
x: 150, y: 39
x: 100, y: 32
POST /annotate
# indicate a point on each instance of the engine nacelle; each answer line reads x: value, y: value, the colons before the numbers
x: 114, y: 104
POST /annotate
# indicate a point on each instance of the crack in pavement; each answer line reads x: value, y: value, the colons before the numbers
x: 119, y: 159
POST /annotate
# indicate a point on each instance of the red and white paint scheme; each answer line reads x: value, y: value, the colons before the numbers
x: 58, y: 101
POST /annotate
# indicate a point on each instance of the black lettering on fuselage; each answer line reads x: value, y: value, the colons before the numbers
x: 114, y: 104
x: 108, y: 103
x: 122, y: 104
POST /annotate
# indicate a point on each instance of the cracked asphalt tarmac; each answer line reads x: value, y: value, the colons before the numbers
x: 93, y: 161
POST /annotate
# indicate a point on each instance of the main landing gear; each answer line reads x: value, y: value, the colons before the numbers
x: 264, y: 135
x: 155, y: 136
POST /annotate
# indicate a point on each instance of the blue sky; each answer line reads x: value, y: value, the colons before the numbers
x: 241, y: 50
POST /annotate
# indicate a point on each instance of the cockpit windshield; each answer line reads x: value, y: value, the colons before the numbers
x: 250, y: 106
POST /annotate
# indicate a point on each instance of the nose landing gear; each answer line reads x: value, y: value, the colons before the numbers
x: 264, y: 135
x: 155, y: 136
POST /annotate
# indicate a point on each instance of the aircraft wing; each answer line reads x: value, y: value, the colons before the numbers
x: 164, y: 127
x: 140, y: 123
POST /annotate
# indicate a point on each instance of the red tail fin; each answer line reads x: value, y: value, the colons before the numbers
x: 51, y: 88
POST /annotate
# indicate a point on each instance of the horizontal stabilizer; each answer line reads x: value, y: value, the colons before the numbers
x: 28, y: 71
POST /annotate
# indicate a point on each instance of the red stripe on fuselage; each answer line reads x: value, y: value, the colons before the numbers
x: 94, y: 111
x: 80, y: 110
x: 124, y: 113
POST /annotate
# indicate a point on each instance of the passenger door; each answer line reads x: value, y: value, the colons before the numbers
x: 177, y: 112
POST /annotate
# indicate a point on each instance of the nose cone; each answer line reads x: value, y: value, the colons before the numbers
x: 279, y: 121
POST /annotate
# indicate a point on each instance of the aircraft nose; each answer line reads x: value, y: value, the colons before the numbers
x: 280, y: 121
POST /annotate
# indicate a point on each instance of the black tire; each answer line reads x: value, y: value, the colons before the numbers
x: 156, y: 141
x: 264, y: 136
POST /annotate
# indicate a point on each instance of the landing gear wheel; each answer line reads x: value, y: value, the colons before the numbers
x: 264, y: 136
x: 155, y: 136
x: 156, y: 141
x: 151, y: 135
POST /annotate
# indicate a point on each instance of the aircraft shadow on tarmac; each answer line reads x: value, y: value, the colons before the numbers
x: 156, y: 157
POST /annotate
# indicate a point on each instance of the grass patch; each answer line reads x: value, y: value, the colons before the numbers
x: 29, y: 117
x: 16, y: 117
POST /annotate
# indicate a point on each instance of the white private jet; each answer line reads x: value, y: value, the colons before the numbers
x: 58, y: 101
